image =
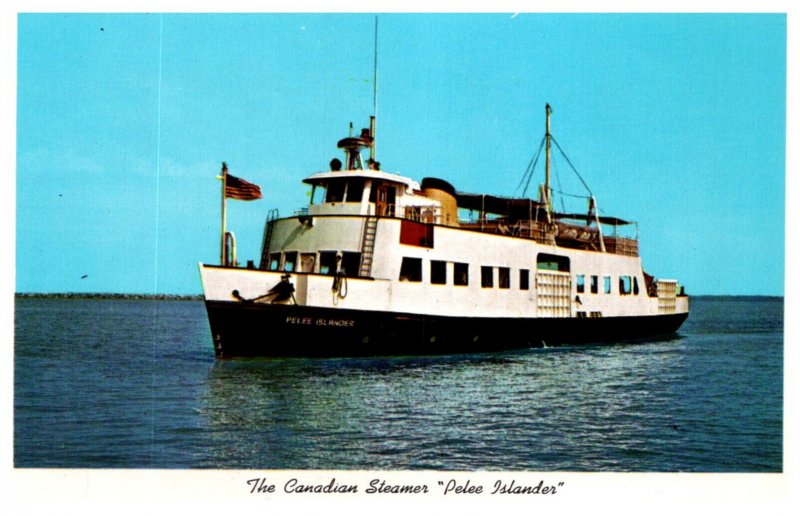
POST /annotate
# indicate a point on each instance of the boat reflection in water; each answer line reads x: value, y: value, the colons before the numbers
x: 461, y: 412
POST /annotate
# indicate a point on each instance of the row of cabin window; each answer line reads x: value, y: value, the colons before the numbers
x: 411, y: 270
x: 347, y: 190
x: 323, y: 262
x: 627, y: 284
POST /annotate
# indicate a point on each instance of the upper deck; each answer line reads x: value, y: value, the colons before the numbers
x: 376, y: 193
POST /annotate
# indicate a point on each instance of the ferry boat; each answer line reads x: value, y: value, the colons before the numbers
x: 380, y: 264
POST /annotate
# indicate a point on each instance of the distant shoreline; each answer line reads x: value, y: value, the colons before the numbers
x: 94, y: 295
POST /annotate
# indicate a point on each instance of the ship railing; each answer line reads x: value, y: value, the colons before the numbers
x: 425, y: 214
x: 622, y: 245
x: 575, y: 237
x: 385, y: 210
x: 535, y: 230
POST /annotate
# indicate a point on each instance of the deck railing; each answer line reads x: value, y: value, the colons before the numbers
x: 622, y: 245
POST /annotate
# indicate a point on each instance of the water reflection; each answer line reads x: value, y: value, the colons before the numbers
x: 335, y: 413
x: 519, y: 410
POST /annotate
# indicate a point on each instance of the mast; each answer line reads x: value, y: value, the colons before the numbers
x: 547, y: 111
x: 374, y: 116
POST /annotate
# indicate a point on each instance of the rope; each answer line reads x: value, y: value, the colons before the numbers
x: 571, y: 165
x: 339, y: 287
x: 576, y: 196
x: 558, y: 180
x: 531, y: 167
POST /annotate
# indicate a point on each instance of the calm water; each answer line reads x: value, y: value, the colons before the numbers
x: 134, y: 384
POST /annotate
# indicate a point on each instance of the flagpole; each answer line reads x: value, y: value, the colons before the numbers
x: 224, y: 186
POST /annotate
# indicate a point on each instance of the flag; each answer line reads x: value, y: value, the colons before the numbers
x: 240, y: 189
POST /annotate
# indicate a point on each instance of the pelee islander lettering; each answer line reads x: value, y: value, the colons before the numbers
x: 312, y: 321
x: 500, y: 487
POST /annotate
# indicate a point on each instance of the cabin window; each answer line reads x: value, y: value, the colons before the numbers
x: 327, y: 262
x: 274, y: 261
x: 580, y: 283
x: 438, y: 272
x: 460, y: 274
x: 625, y: 285
x: 635, y: 287
x: 524, y: 279
x: 318, y: 194
x: 487, y: 277
x: 504, y: 277
x: 335, y: 191
x: 411, y: 269
x: 593, y: 284
x: 307, y: 262
x: 416, y: 233
x: 355, y: 189
x: 373, y: 191
x: 351, y: 263
x: 607, y: 284
x: 552, y: 262
x: 289, y: 261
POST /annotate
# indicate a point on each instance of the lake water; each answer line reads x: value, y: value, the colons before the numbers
x: 134, y: 384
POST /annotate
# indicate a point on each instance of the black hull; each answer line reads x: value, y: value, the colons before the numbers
x: 267, y: 330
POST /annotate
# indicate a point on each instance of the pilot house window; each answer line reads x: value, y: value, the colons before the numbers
x: 335, y: 192
x: 355, y: 189
x: 338, y: 190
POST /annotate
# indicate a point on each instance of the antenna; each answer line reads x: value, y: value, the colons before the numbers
x: 374, y: 95
x: 375, y: 74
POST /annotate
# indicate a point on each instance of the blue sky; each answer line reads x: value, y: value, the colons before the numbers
x: 675, y: 121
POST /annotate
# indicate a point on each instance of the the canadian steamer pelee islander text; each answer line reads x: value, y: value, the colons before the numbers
x: 380, y: 486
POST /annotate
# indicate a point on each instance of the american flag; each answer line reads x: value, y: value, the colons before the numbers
x: 240, y: 189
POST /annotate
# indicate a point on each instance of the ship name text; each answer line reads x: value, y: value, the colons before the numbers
x: 314, y: 321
